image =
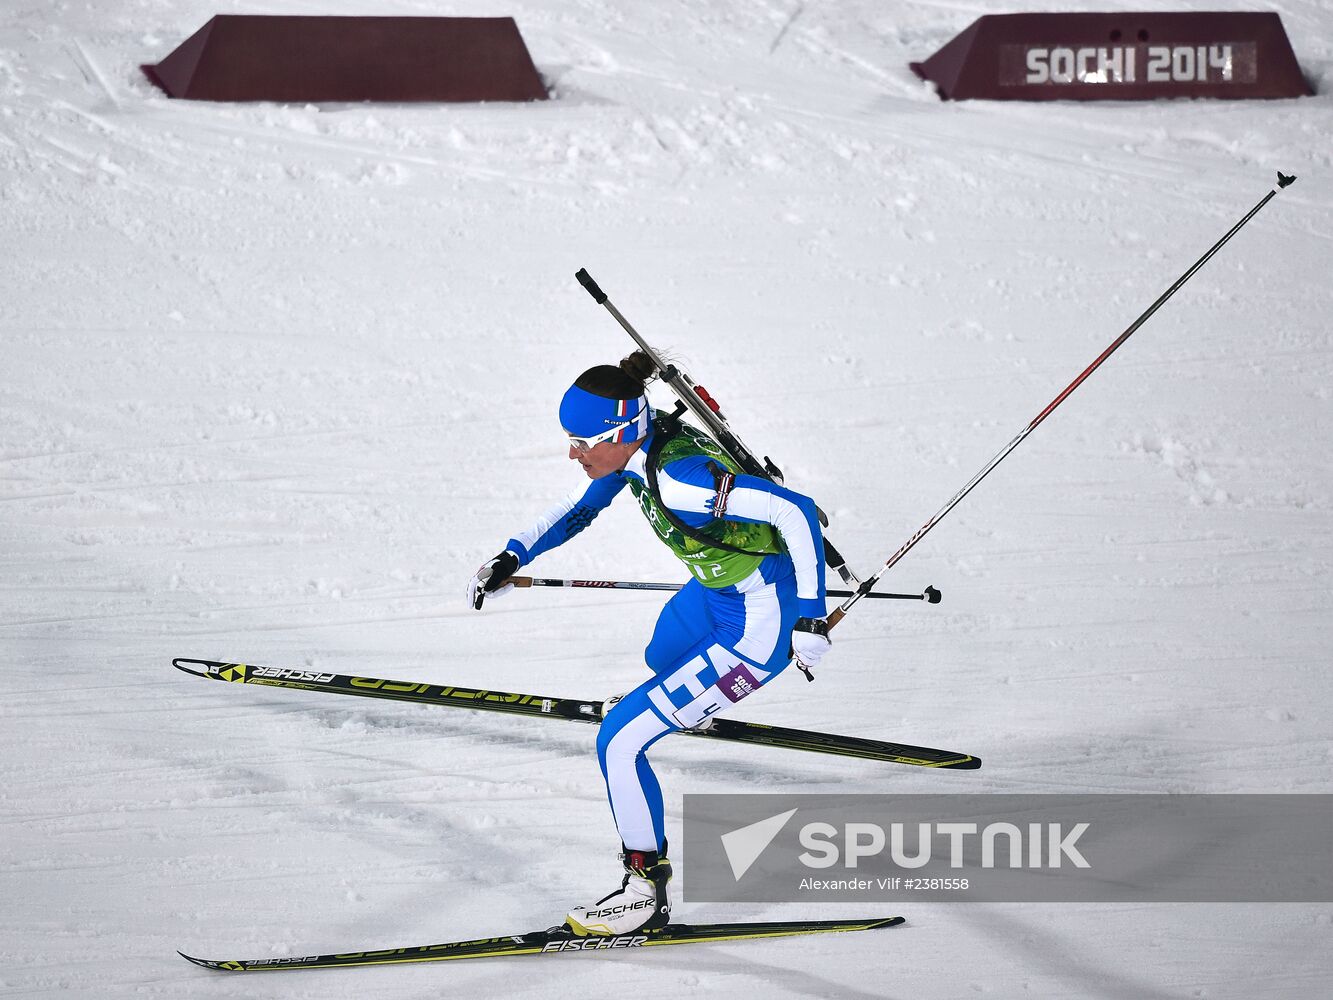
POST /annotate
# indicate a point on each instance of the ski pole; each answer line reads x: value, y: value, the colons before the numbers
x: 930, y: 595
x: 706, y: 409
x: 840, y: 612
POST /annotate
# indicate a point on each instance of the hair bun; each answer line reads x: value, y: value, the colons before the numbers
x: 639, y: 366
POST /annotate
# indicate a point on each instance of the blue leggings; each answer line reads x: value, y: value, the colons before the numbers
x: 709, y: 650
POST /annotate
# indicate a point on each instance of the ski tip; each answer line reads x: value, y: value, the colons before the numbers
x: 966, y: 764
x: 190, y: 666
x: 886, y: 922
x: 203, y: 963
x: 216, y: 966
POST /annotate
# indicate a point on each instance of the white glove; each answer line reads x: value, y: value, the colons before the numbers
x: 809, y: 643
x: 489, y: 580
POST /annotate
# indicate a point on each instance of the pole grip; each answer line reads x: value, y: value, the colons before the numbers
x: 520, y: 581
x: 585, y: 279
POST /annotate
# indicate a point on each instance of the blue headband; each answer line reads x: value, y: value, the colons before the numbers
x: 585, y: 414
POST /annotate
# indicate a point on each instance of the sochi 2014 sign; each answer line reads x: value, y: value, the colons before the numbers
x: 1046, y: 57
x: 1022, y: 65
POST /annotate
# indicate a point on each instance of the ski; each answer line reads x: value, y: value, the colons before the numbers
x: 556, y: 941
x: 569, y: 709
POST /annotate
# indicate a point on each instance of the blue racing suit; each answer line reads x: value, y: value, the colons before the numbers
x: 721, y: 637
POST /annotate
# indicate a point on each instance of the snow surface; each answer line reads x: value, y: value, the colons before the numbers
x: 276, y: 379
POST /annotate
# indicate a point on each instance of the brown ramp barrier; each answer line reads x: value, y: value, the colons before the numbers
x: 244, y: 57
x: 1120, y: 57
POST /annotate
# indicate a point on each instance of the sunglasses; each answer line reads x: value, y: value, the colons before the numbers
x: 583, y: 445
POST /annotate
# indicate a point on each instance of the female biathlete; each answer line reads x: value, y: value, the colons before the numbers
x: 755, y: 600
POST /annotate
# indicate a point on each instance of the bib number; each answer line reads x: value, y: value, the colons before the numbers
x: 739, y: 680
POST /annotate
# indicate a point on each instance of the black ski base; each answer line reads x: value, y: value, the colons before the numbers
x: 569, y: 709
x: 555, y: 941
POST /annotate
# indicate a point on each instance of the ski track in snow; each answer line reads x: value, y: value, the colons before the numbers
x: 278, y: 378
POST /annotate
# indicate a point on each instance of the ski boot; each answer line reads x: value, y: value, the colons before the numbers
x: 640, y: 904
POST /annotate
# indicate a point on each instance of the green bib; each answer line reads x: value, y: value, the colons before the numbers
x: 713, y: 567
